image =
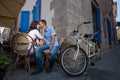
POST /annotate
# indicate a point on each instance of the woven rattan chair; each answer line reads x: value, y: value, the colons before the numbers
x: 23, y: 46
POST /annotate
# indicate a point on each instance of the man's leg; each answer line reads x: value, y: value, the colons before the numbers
x: 52, y: 58
x: 38, y: 55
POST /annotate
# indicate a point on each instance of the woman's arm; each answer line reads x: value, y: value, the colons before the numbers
x: 40, y: 42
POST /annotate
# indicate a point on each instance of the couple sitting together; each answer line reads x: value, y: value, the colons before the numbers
x: 46, y: 42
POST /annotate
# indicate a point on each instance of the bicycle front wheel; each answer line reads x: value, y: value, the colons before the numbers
x: 71, y: 66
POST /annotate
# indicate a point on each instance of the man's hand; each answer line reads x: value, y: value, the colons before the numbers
x: 47, y: 52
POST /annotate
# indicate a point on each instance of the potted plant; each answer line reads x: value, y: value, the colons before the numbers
x: 4, y: 62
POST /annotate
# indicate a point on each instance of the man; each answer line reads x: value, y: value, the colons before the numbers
x: 51, y: 46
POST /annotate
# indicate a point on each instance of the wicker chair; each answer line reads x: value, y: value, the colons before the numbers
x: 23, y: 46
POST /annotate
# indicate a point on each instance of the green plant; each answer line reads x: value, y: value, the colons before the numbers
x: 4, y: 62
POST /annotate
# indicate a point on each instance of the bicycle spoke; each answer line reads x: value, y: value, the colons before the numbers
x: 71, y: 65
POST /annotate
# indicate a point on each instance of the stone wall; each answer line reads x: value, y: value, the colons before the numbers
x: 69, y: 13
x: 60, y: 16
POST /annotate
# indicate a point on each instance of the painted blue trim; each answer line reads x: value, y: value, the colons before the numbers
x: 24, y: 22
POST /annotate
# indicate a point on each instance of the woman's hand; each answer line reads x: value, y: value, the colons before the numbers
x: 40, y: 42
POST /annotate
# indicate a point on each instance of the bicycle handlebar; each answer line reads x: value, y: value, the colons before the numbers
x: 76, y: 31
x: 82, y: 24
x: 87, y: 22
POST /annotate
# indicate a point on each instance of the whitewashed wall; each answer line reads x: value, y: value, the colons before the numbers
x: 28, y: 6
x: 45, y: 11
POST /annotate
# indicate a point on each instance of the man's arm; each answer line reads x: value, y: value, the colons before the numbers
x: 52, y: 42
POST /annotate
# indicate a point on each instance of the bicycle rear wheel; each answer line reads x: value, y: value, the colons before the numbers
x: 71, y: 66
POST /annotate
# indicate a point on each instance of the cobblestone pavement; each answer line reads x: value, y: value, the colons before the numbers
x: 106, y: 69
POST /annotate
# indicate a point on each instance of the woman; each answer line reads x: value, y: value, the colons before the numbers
x: 35, y: 35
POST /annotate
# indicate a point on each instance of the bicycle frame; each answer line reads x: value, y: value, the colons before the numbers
x: 86, y: 47
x: 75, y: 58
x: 86, y: 44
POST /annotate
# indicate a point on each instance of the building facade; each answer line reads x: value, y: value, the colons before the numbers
x: 108, y: 23
x: 64, y: 15
x: 72, y: 12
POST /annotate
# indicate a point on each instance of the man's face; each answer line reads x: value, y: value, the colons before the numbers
x: 41, y: 24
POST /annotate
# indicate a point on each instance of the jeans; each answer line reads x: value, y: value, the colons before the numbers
x: 39, y: 50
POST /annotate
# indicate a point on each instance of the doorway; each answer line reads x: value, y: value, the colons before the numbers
x: 96, y: 21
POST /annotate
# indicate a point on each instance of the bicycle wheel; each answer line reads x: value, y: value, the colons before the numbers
x: 71, y: 66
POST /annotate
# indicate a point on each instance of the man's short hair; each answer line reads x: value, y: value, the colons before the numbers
x: 43, y: 21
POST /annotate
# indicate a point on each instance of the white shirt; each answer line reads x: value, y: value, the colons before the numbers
x: 35, y: 35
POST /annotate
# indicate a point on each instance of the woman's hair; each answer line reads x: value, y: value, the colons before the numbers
x: 33, y: 25
x: 43, y: 21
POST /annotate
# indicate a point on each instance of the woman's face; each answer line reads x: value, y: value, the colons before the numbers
x: 38, y: 26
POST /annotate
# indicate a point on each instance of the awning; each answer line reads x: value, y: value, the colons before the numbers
x: 9, y: 10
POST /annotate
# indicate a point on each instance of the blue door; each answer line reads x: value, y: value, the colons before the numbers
x: 114, y: 36
x: 24, y: 22
x: 109, y: 32
x: 98, y: 24
x: 36, y: 11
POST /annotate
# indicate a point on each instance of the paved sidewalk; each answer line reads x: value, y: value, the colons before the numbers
x: 106, y: 69
x: 109, y: 67
x: 57, y: 74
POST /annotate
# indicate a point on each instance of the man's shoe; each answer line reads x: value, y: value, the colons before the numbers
x: 37, y: 72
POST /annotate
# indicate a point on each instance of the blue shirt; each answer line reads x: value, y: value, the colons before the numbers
x: 49, y: 32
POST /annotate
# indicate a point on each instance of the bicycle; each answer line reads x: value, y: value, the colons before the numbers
x: 75, y: 58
